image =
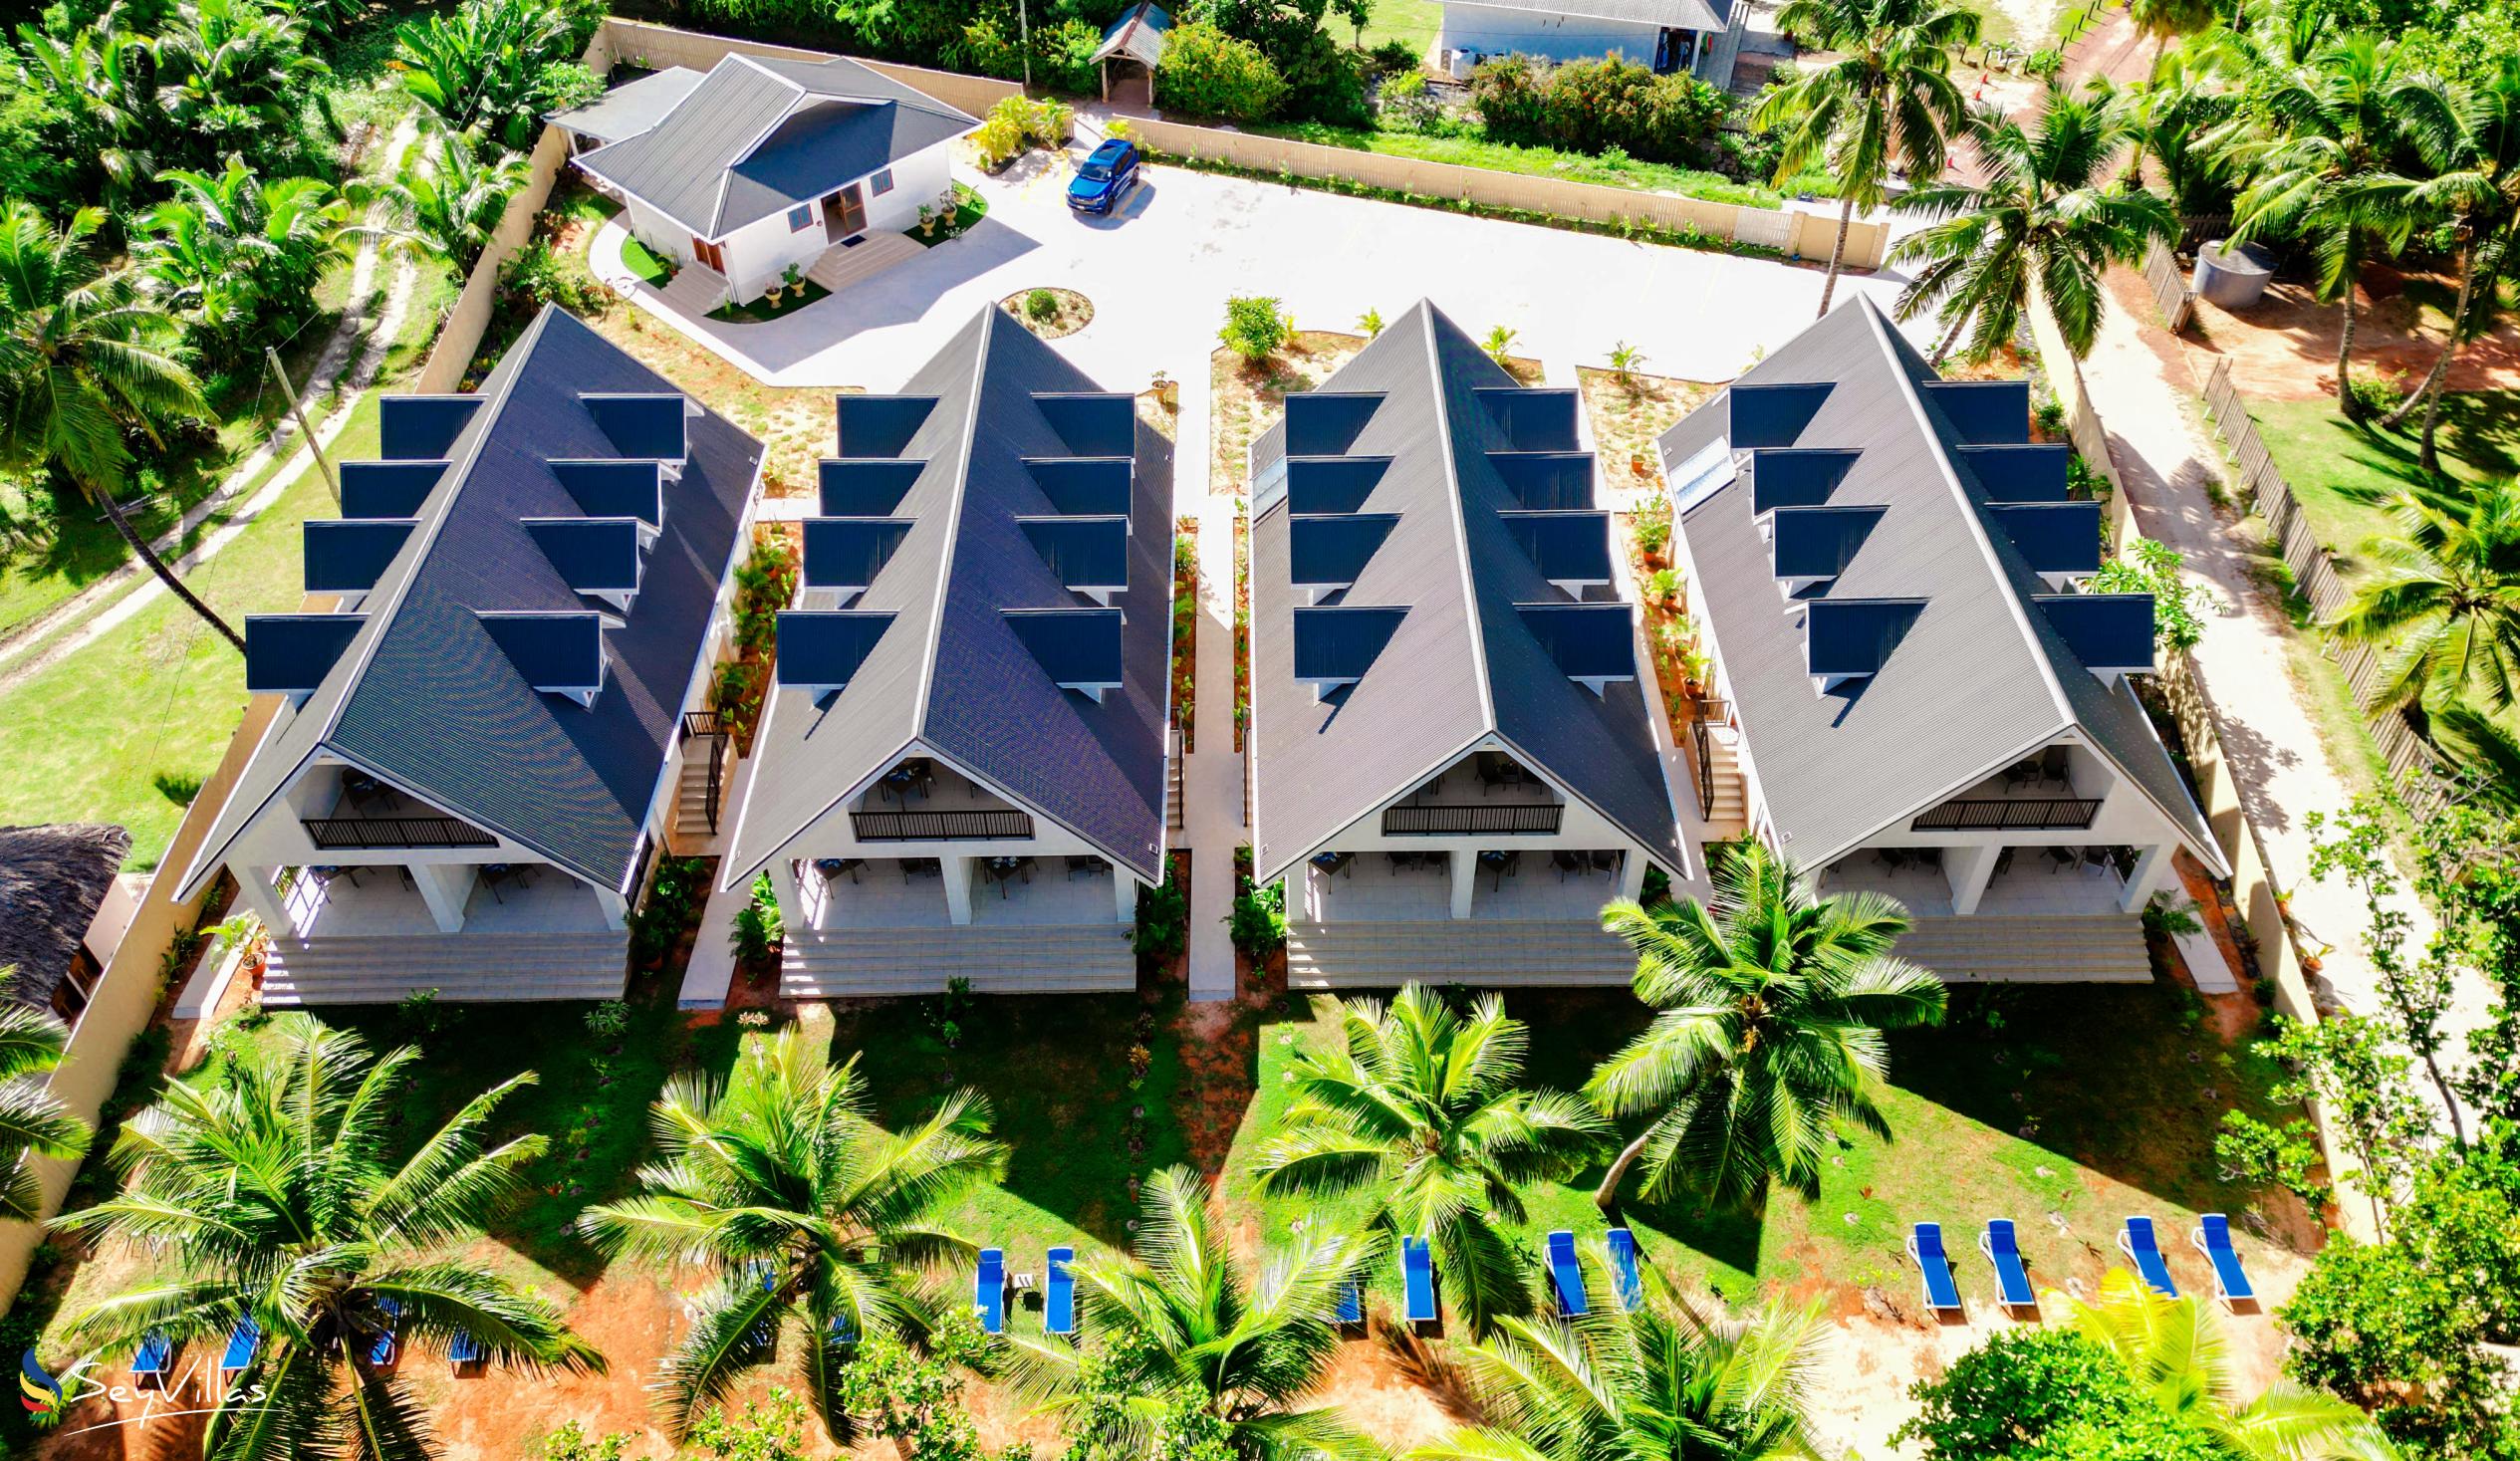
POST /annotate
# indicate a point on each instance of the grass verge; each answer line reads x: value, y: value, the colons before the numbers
x: 1641, y: 177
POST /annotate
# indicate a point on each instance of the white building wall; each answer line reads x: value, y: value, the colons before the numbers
x: 760, y: 252
x: 1493, y: 31
x: 1580, y: 828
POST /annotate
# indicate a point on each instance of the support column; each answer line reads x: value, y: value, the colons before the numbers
x: 1466, y: 880
x: 1124, y: 887
x: 783, y: 887
x: 957, y: 872
x: 615, y: 908
x: 254, y: 890
x: 445, y: 887
x: 2153, y: 872
x: 1632, y: 875
x: 1970, y: 869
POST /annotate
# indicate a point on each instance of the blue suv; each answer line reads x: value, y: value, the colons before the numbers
x: 1104, y: 179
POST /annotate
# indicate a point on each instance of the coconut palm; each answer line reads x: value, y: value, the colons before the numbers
x: 2484, y: 756
x: 2048, y: 212
x: 1420, y: 1108
x: 233, y: 253
x: 98, y: 76
x: 33, y: 1120
x: 1884, y: 98
x: 85, y: 357
x: 441, y: 201
x: 2164, y: 19
x: 1183, y: 1321
x: 267, y: 1196
x: 781, y: 1182
x: 230, y: 69
x: 2172, y: 123
x: 1659, y: 1380
x: 2468, y: 137
x: 2316, y: 136
x: 1772, y: 1006
x: 2446, y: 598
x: 481, y: 69
x: 2173, y: 1350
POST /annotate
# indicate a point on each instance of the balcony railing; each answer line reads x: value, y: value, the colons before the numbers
x: 941, y: 827
x: 2003, y: 814
x: 332, y: 833
x: 1471, y: 819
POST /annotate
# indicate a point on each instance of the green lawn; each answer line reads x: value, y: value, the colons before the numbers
x: 636, y: 259
x: 2345, y: 472
x: 760, y: 311
x: 1413, y: 21
x: 1691, y: 182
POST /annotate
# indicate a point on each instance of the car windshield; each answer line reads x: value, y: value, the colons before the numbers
x: 1093, y: 169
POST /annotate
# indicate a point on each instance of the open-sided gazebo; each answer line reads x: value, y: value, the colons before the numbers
x: 1135, y: 41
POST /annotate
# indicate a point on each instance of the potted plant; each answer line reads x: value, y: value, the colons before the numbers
x: 795, y: 280
x: 771, y: 293
x: 1638, y: 464
x: 1167, y: 391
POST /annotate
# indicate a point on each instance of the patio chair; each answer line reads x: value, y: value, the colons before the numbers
x: 988, y: 1290
x: 388, y: 1347
x: 1566, y: 1276
x: 2021, y: 774
x: 832, y: 868
x: 2055, y: 765
x: 2002, y: 1247
x: 242, y: 1343
x: 1089, y: 864
x: 2142, y: 1248
x: 1566, y: 863
x: 1331, y: 865
x: 1623, y: 1275
x: 1417, y: 1281
x: 463, y: 1354
x: 2060, y: 858
x: 1925, y: 1245
x: 153, y: 1360
x: 2213, y: 1238
x: 1928, y: 859
x: 1351, y: 1304
x: 2003, y: 862
x: 1058, y: 1300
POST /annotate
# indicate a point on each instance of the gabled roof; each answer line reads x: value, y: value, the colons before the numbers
x: 1971, y: 675
x: 1688, y: 15
x: 53, y: 879
x: 759, y: 135
x: 1137, y: 34
x: 962, y: 669
x: 1464, y: 662
x: 426, y: 696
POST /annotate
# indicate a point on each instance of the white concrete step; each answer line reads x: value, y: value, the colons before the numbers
x: 1479, y: 951
x: 875, y: 251
x: 695, y: 290
x: 1032, y: 959
x: 463, y: 968
x: 2100, y: 948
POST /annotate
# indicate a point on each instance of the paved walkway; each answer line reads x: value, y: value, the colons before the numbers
x: 1212, y: 774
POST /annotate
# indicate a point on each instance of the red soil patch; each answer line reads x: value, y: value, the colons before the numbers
x: 2284, y: 347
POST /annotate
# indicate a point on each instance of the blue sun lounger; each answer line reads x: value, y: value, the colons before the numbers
x: 1925, y: 1245
x: 1350, y: 1305
x: 149, y: 1363
x: 463, y: 1352
x: 242, y: 1343
x: 387, y: 1350
x: 1623, y: 1270
x: 988, y: 1290
x: 1417, y: 1281
x: 2002, y: 1247
x: 844, y: 1328
x: 2212, y: 1237
x: 1058, y: 1300
x: 2137, y: 1241
x: 1566, y: 1276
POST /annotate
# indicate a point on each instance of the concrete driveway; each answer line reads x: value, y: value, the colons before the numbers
x: 1158, y: 275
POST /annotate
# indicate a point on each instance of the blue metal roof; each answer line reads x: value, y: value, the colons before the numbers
x: 1819, y: 541
x: 847, y: 552
x: 641, y: 423
x: 1085, y: 486
x: 1086, y: 552
x: 881, y: 426
x: 2018, y: 471
x: 590, y: 555
x: 349, y: 555
x: 1981, y: 412
x: 609, y: 488
x: 290, y: 654
x: 388, y: 489
x: 1330, y: 550
x: 1079, y: 648
x: 2107, y: 632
x: 1758, y: 414
x: 865, y: 487
x: 1588, y: 641
x: 1097, y: 423
x: 552, y: 651
x: 1341, y: 642
x: 422, y: 427
x: 1534, y: 417
x: 2056, y: 537
x: 1325, y: 422
x: 1786, y: 476
x: 824, y: 652
x: 1855, y: 636
x: 1546, y: 481
x: 1327, y: 484
x: 1566, y: 546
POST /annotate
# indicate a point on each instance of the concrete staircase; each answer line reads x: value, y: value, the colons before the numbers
x: 1350, y: 954
x: 695, y: 290
x: 875, y: 250
x: 2098, y: 948
x: 1731, y: 811
x: 380, y: 969
x: 1084, y: 958
x: 691, y: 793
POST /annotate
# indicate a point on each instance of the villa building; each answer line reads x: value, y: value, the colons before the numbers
x: 1454, y: 761
x: 482, y: 739
x: 1695, y: 37
x: 1914, y: 691
x: 961, y: 769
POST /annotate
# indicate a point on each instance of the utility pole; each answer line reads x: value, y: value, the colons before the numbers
x: 289, y: 393
x: 1024, y: 29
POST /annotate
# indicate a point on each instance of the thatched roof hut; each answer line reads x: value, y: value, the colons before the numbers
x: 53, y: 879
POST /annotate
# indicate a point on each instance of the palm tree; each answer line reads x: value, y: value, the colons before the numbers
x: 441, y: 202
x: 2484, y: 756
x: 2162, y: 19
x: 782, y: 1182
x: 231, y: 251
x: 2172, y: 1350
x: 33, y: 1120
x: 1773, y: 1003
x: 2469, y: 140
x: 1419, y: 1106
x: 480, y: 68
x: 230, y: 69
x: 1886, y: 101
x: 1183, y: 1321
x: 85, y: 357
x: 266, y: 1192
x: 2446, y: 597
x: 2047, y: 214
x: 94, y: 76
x: 2324, y: 132
x: 1658, y: 1380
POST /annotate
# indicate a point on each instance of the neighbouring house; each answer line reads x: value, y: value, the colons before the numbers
x: 1134, y: 44
x: 765, y: 164
x: 1699, y: 37
x: 64, y: 907
x: 480, y: 745
x: 961, y: 768
x: 1454, y: 759
x: 1917, y: 696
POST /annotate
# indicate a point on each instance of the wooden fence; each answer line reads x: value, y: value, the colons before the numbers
x: 2170, y: 293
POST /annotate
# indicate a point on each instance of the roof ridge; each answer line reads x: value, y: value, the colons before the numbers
x: 1460, y: 522
x: 953, y: 523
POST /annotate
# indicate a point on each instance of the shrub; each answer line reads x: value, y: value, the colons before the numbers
x: 539, y: 276
x: 2014, y: 1389
x: 1653, y: 529
x: 1588, y: 105
x: 2374, y: 396
x: 1399, y: 57
x: 1255, y: 328
x: 609, y: 1020
x: 1664, y: 585
x: 1370, y: 324
x: 1499, y: 343
x: 1258, y: 921
x: 1041, y: 304
x: 2152, y: 567
x: 757, y: 926
x: 1164, y: 922
x: 1207, y: 73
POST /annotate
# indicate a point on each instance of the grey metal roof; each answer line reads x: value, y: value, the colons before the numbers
x: 953, y: 672
x: 759, y: 136
x: 1137, y: 33
x: 1687, y: 15
x: 53, y: 879
x: 1977, y: 676
x: 426, y: 696
x: 1463, y: 663
x: 631, y: 108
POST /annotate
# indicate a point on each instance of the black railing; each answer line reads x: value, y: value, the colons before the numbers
x: 2045, y: 814
x: 704, y: 725
x: 1470, y: 819
x: 1703, y: 743
x: 700, y: 723
x: 940, y: 827
x: 329, y: 833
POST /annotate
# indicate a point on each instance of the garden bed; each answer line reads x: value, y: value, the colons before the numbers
x: 1185, y: 619
x: 1048, y: 311
x: 792, y: 297
x: 1629, y: 415
x: 935, y: 228
x: 1250, y: 396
